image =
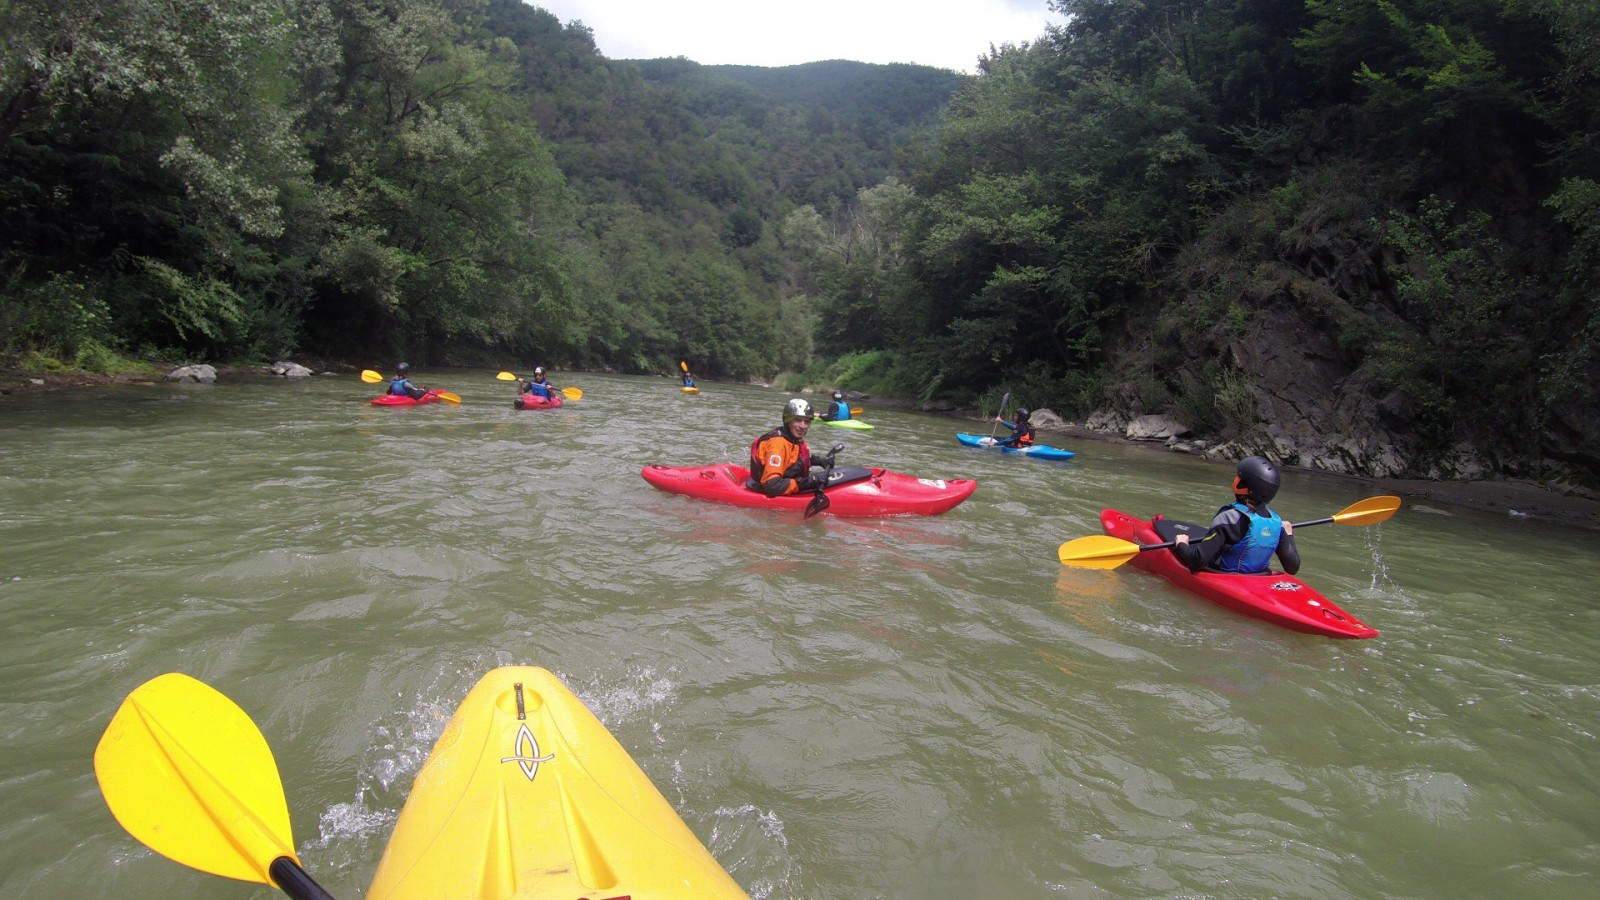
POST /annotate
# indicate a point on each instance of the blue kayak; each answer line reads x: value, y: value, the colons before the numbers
x: 1037, y: 451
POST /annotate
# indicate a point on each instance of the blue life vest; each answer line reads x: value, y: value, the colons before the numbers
x: 538, y: 389
x: 400, y: 386
x: 1254, y: 553
x: 841, y: 411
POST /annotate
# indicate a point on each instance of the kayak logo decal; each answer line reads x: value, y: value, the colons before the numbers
x: 932, y: 482
x: 525, y: 753
x: 1286, y: 586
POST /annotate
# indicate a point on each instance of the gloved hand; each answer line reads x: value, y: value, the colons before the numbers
x: 816, y: 478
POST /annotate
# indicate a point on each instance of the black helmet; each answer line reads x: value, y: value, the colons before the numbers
x: 1023, y: 413
x: 402, y: 369
x: 1256, y: 479
x: 838, y: 395
x: 797, y: 409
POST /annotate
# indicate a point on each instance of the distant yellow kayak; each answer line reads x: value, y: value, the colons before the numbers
x: 526, y: 795
x: 690, y: 390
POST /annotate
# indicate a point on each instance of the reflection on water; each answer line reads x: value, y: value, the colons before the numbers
x: 919, y: 707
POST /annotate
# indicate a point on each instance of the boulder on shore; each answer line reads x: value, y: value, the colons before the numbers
x: 200, y: 374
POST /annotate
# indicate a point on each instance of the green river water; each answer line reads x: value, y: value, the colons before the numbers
x: 898, y: 708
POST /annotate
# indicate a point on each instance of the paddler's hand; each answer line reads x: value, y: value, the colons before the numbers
x: 1288, y: 528
x: 1181, y: 539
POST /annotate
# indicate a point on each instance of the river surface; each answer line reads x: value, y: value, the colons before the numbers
x: 899, y: 708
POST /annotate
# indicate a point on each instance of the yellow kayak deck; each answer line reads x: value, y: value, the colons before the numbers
x: 527, y: 795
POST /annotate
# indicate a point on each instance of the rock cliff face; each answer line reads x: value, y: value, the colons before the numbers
x: 1309, y: 406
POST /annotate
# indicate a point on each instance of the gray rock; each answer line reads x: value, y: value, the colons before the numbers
x: 1155, y: 428
x: 200, y: 374
x: 290, y: 369
x: 1048, y: 420
x: 1107, y: 420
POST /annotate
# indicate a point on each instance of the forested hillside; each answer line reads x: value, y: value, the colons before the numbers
x: 1363, y: 236
x: 446, y: 180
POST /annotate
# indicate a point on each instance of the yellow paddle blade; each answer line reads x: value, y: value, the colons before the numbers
x: 855, y: 410
x: 370, y: 377
x: 572, y: 393
x: 1097, y: 551
x: 186, y: 772
x: 505, y: 376
x: 1370, y: 511
x: 446, y: 396
x: 683, y: 365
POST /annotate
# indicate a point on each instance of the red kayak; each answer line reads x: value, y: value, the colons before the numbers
x: 1271, y: 596
x: 403, y: 400
x: 860, y: 491
x: 531, y: 401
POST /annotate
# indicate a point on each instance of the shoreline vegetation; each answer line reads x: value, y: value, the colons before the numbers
x: 1515, y: 500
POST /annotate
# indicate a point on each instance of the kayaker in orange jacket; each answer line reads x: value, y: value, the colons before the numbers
x: 1021, y: 430
x: 780, y: 461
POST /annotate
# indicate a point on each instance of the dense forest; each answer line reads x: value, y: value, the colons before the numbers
x: 1363, y: 236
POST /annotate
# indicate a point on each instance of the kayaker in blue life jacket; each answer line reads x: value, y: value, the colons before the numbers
x: 1021, y: 429
x: 1245, y: 534
x: 838, y: 410
x: 401, y: 386
x: 538, y: 385
x: 688, y: 378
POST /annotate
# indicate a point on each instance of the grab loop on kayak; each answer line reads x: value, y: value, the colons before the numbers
x: 522, y: 711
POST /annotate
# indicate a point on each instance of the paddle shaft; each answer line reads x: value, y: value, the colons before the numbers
x: 821, y: 502
x: 293, y: 880
x: 1003, y: 401
x: 1165, y: 544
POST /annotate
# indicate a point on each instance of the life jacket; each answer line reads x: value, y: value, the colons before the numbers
x: 1021, y: 434
x: 538, y: 388
x: 840, y: 411
x: 400, y: 387
x: 1254, y: 553
x: 786, y: 466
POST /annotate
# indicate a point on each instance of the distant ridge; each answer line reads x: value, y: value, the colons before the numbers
x: 892, y: 93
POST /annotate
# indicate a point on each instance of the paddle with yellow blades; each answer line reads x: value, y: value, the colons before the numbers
x: 1106, y: 552
x: 371, y: 377
x: 187, y: 772
x: 571, y: 393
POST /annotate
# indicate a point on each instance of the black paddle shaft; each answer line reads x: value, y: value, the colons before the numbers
x: 1166, y: 544
x: 293, y: 880
x: 821, y: 502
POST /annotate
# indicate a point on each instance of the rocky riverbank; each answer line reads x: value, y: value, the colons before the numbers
x: 1516, y: 500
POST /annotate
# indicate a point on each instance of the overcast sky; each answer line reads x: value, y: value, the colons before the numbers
x: 950, y: 34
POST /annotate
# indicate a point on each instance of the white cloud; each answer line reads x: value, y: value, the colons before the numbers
x: 951, y: 35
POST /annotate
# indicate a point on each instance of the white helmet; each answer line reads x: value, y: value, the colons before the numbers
x: 797, y: 409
